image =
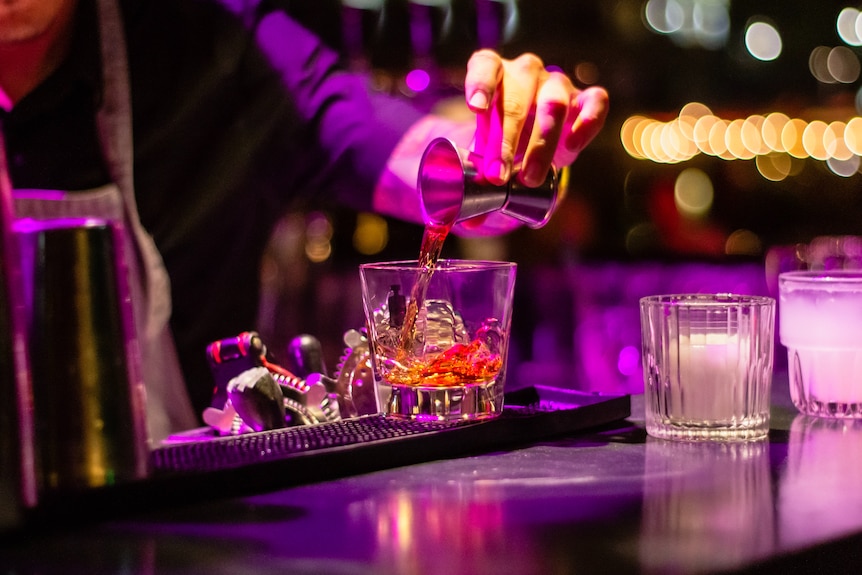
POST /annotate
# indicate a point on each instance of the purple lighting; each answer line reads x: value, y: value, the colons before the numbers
x: 629, y: 361
x: 607, y: 334
x: 418, y: 80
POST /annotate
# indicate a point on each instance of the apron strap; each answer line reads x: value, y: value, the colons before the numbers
x: 168, y: 405
x: 114, y: 120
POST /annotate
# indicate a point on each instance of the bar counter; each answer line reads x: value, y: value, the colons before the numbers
x: 605, y: 500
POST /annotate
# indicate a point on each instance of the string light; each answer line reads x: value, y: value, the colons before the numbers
x: 765, y: 138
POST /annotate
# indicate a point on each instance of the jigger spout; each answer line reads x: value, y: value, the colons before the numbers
x: 452, y: 189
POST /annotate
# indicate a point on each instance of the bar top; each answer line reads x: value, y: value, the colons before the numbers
x: 609, y: 499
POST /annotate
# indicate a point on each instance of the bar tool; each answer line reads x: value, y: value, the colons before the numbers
x: 257, y: 399
x: 452, y: 190
x: 225, y: 421
x: 230, y: 357
x: 355, y: 377
x: 305, y: 356
x: 305, y: 400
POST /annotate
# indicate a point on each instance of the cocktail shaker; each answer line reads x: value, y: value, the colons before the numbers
x: 88, y: 395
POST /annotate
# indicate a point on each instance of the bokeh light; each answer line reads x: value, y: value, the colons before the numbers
x: 846, y: 26
x: 318, y: 237
x: 763, y: 41
x: 700, y: 133
x: 711, y: 21
x: 735, y: 144
x: 843, y: 64
x: 371, y: 234
x: 833, y: 140
x: 774, y: 167
x: 773, y: 124
x: 664, y: 16
x: 690, y: 23
x: 853, y: 135
x: 844, y: 168
x: 693, y: 193
x: 417, y: 80
x: 812, y: 140
x: 718, y: 140
x: 775, y: 141
x: 791, y: 138
x: 818, y: 65
x: 630, y: 141
x: 838, y: 65
x: 743, y: 243
x: 629, y: 360
x: 587, y: 73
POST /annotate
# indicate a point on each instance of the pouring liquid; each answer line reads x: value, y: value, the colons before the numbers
x: 461, y: 364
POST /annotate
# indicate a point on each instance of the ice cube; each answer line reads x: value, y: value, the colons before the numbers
x: 441, y: 326
x: 491, y: 336
x: 387, y: 334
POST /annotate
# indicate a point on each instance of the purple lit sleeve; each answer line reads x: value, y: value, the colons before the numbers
x: 351, y: 130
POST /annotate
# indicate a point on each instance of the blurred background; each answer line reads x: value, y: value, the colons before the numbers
x: 732, y: 152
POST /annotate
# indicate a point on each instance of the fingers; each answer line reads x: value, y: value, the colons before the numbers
x: 513, y: 105
x: 486, y: 225
x: 591, y: 107
x: 523, y: 110
x: 552, y: 107
x: 502, y: 93
x: 484, y: 73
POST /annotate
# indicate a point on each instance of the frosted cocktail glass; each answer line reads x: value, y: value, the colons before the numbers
x: 439, y: 336
x: 707, y: 364
x: 820, y: 323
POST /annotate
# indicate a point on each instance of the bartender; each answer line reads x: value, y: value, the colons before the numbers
x: 195, y: 124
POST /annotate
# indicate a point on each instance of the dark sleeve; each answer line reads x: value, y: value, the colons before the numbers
x: 351, y: 130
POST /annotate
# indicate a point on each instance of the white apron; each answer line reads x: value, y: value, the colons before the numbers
x: 168, y: 406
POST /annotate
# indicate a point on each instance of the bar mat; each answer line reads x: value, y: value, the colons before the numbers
x: 198, y: 467
x: 530, y: 414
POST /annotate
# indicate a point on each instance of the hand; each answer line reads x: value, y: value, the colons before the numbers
x: 524, y: 111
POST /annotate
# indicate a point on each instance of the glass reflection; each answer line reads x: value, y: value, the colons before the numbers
x: 452, y: 528
x: 707, y: 506
x: 819, y: 490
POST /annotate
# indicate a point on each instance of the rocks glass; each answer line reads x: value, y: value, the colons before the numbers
x: 821, y: 326
x: 439, y: 337
x: 707, y: 363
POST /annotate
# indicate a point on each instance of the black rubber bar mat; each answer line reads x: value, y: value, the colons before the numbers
x: 194, y: 467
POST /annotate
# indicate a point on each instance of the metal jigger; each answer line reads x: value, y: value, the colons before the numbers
x: 452, y: 190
